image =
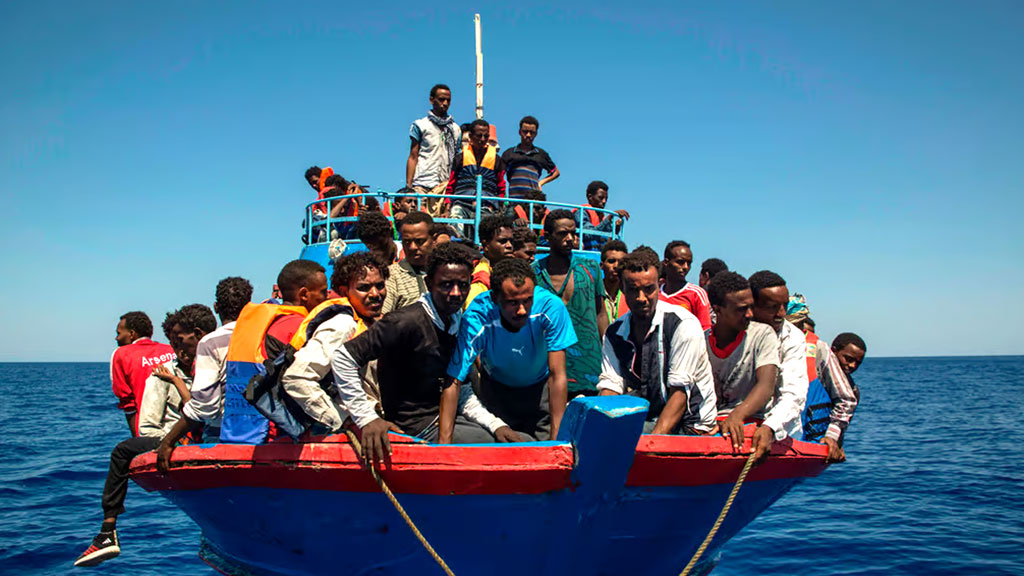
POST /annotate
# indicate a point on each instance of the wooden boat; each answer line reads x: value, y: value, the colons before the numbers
x: 602, y: 500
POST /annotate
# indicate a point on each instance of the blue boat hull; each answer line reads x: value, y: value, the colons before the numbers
x: 299, y: 533
x: 606, y: 502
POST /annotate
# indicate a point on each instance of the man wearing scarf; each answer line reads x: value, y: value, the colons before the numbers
x: 435, y: 140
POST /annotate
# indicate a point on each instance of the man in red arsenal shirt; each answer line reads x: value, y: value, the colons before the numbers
x: 133, y: 361
x: 676, y: 290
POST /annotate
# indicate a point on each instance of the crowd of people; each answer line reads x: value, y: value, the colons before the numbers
x: 452, y: 342
x: 445, y: 160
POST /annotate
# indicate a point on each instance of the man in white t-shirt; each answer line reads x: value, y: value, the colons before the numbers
x: 771, y: 296
x: 434, y: 141
x: 744, y: 359
x: 657, y: 351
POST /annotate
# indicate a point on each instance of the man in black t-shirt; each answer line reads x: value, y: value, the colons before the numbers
x: 412, y: 346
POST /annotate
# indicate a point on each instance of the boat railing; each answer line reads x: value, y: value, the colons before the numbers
x: 324, y: 229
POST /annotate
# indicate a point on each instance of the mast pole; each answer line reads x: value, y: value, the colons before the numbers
x: 479, y: 69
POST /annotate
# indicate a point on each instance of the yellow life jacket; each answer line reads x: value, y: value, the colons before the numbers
x: 490, y: 157
x: 325, y: 311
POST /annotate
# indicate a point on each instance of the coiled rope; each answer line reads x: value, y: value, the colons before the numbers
x: 354, y: 442
x: 721, y: 516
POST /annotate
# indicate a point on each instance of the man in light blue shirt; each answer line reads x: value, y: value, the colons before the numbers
x: 520, y: 333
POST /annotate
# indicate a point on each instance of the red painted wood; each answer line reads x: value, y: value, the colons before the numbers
x: 460, y: 470
x: 703, y: 460
x: 413, y: 468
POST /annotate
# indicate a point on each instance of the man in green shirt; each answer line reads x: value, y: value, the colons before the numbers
x: 577, y: 281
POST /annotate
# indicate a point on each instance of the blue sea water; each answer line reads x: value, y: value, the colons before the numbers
x: 934, y: 483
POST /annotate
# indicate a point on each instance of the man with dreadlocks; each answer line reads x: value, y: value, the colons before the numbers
x: 435, y: 140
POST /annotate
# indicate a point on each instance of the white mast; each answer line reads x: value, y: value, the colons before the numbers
x: 479, y: 70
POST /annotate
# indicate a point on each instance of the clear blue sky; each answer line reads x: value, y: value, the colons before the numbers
x: 870, y: 152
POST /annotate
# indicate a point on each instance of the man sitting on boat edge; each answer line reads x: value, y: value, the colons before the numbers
x: 413, y: 346
x: 159, y: 409
x: 656, y: 351
x: 843, y: 395
x: 744, y: 359
x: 771, y: 297
x: 133, y: 362
x: 360, y: 281
x: 831, y: 396
x: 300, y: 281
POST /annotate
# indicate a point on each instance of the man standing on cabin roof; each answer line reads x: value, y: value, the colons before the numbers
x: 744, y: 359
x: 413, y: 346
x: 206, y: 403
x: 657, y: 351
x: 166, y: 388
x: 407, y: 279
x: 524, y: 244
x: 612, y: 254
x: 132, y: 363
x: 477, y: 159
x: 360, y: 280
x: 676, y: 290
x: 496, y: 237
x: 576, y: 280
x: 521, y: 333
x: 771, y: 295
x: 525, y: 162
x: 435, y: 140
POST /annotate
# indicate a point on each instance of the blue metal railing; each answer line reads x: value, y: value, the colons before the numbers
x: 325, y: 226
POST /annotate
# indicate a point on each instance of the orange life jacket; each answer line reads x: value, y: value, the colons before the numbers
x: 241, y: 422
x: 595, y: 218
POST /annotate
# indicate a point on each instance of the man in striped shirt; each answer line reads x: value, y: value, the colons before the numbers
x: 406, y: 280
x: 525, y: 162
x: 835, y: 369
x: 676, y: 290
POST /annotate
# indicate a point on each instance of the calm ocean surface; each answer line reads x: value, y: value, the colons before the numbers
x: 934, y: 485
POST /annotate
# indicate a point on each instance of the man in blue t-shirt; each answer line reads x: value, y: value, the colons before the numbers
x: 520, y: 333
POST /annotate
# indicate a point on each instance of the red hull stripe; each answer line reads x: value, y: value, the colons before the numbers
x: 413, y: 469
x: 465, y: 470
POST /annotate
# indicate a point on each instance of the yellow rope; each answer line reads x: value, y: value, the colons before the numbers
x: 394, y: 501
x: 721, y: 516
